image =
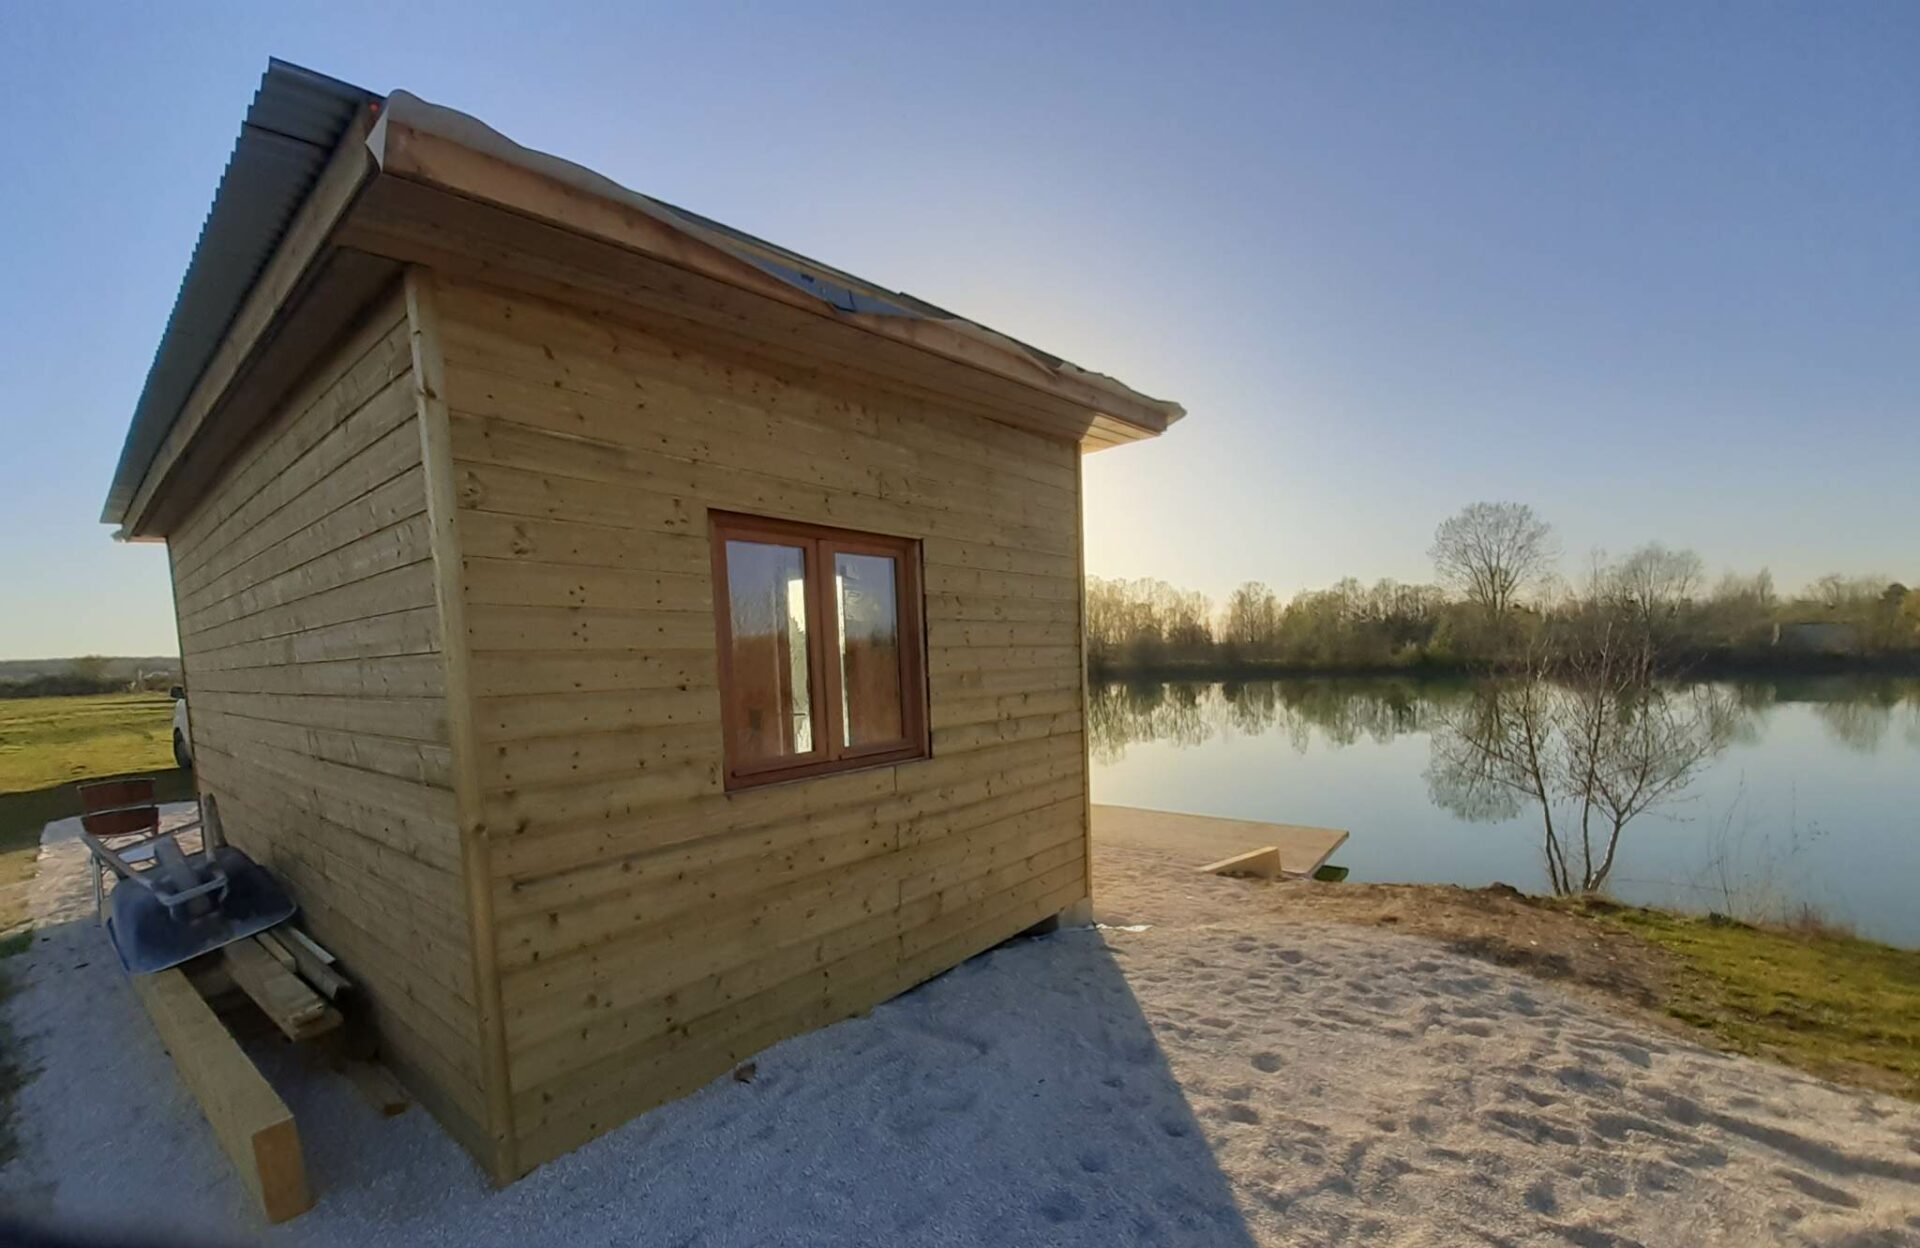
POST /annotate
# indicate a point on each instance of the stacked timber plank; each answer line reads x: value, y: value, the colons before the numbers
x: 253, y: 1125
x: 295, y: 1008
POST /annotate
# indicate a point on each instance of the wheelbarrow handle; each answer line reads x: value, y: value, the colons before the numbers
x: 173, y: 899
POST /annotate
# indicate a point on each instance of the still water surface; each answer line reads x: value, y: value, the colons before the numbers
x: 1816, y: 799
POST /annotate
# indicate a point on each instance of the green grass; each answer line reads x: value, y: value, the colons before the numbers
x: 1824, y: 1001
x: 47, y: 745
x: 50, y: 741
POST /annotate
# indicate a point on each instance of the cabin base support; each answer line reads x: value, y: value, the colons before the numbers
x: 254, y: 1126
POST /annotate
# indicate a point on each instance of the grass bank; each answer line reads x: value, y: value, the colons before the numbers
x: 47, y: 745
x: 1811, y: 997
x: 1822, y: 1000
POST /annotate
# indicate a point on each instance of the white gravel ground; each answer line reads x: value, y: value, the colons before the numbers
x: 1213, y: 1079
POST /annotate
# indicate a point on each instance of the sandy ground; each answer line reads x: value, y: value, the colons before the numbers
x: 1221, y: 1077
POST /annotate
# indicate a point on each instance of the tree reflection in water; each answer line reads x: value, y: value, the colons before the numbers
x: 1340, y: 711
x: 1858, y: 712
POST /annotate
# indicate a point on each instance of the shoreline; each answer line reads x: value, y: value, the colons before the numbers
x: 1709, y: 667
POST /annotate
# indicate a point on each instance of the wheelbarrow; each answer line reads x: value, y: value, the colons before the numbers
x: 169, y: 906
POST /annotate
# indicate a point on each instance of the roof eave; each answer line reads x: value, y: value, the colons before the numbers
x: 453, y: 152
x: 291, y: 131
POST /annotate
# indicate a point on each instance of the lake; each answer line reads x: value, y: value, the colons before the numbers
x: 1815, y: 799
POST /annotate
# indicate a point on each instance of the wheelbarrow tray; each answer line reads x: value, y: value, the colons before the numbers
x: 149, y: 938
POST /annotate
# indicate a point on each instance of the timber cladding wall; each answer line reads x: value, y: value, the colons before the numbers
x: 310, y: 636
x: 651, y: 928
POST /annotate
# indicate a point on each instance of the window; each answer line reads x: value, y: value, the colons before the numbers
x: 820, y: 649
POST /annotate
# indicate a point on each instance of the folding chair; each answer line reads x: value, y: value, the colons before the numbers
x: 123, y: 816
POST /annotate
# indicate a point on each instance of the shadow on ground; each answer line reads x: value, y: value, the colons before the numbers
x: 1020, y: 1098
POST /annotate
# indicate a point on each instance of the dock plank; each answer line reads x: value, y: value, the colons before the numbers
x: 1202, y: 839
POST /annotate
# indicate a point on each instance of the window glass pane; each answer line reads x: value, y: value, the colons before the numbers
x: 767, y: 599
x: 870, y: 708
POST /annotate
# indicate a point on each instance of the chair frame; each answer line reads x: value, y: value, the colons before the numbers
x: 120, y: 822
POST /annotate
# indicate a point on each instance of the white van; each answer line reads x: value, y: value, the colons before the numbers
x: 182, y: 735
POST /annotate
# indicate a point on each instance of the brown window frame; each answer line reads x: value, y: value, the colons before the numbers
x: 819, y: 544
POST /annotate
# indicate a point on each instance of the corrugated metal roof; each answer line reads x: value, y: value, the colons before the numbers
x: 293, y: 125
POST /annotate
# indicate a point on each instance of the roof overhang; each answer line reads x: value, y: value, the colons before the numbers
x: 291, y: 132
x: 401, y: 181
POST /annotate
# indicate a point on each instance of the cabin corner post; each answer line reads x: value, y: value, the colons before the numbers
x: 429, y: 387
x: 1080, y: 913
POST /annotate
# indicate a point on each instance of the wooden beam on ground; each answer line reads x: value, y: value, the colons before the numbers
x: 280, y: 952
x: 296, y: 1009
x: 254, y: 1126
x: 314, y: 964
x: 294, y: 936
x: 1263, y: 862
x: 377, y: 1088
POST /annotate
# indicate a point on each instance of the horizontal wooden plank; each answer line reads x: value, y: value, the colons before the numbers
x: 285, y: 821
x: 908, y: 790
x: 399, y: 676
x: 530, y: 494
x: 1025, y: 728
x: 591, y: 925
x: 395, y: 453
x: 383, y: 616
x: 576, y: 758
x: 374, y: 358
x: 289, y: 1001
x: 253, y: 1125
x: 519, y: 718
x: 954, y: 552
x: 569, y: 467
x: 525, y: 328
x: 255, y: 589
x: 531, y: 809
x: 950, y: 574
x: 387, y: 504
x: 714, y: 1041
x: 546, y: 1051
x: 1001, y: 608
x: 557, y: 850
x: 629, y: 407
x: 485, y: 534
x: 408, y: 814
x: 957, y: 709
x: 521, y: 583
x: 370, y: 440
x: 495, y: 628
x: 977, y: 635
x: 415, y: 719
x: 416, y: 761
x: 505, y: 674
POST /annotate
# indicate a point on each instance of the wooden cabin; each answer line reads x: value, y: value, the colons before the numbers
x: 633, y: 643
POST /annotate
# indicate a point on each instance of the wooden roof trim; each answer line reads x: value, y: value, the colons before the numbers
x: 482, y: 242
x: 297, y: 258
x: 458, y: 154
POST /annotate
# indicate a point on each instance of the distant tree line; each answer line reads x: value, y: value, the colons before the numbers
x: 1497, y: 600
x: 88, y: 675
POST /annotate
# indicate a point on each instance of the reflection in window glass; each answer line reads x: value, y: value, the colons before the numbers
x: 870, y: 701
x: 767, y: 596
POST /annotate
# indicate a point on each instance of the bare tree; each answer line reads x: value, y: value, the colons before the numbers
x: 1589, y: 739
x: 1654, y: 585
x: 1836, y: 591
x: 1252, y: 625
x: 1491, y: 552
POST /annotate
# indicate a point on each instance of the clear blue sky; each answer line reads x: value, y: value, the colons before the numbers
x: 1653, y: 268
